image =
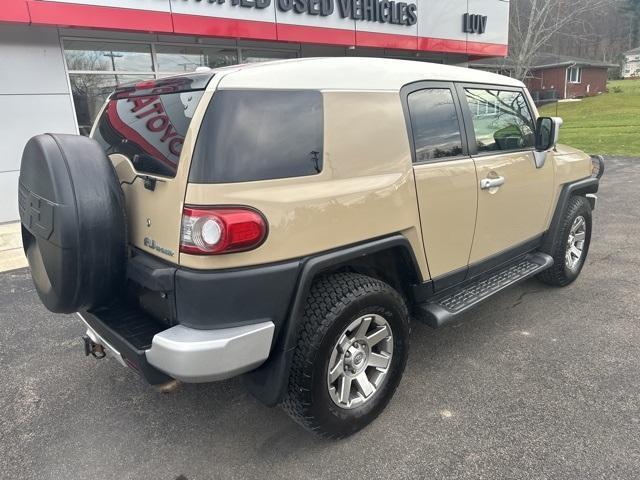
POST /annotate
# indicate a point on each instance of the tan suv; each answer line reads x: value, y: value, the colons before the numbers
x: 285, y: 220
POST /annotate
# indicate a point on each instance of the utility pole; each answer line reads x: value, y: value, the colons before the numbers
x: 113, y: 57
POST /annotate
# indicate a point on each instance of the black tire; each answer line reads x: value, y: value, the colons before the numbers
x: 560, y: 274
x: 73, y: 222
x: 333, y: 303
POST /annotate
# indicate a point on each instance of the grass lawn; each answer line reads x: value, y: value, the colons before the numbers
x: 606, y: 124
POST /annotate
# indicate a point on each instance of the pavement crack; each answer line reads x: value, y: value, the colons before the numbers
x: 521, y: 298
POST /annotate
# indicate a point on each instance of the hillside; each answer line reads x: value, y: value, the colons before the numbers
x: 606, y: 124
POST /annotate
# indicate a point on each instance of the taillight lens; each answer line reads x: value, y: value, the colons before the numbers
x: 210, y: 231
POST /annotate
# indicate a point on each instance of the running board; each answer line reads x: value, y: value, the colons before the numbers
x: 443, y: 308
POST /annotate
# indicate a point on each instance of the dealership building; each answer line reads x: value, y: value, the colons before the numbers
x: 59, y: 60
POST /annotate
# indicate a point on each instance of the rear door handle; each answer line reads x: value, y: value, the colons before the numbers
x: 487, y: 183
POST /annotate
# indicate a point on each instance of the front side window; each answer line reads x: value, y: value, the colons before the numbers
x: 434, y: 123
x: 249, y: 135
x: 574, y: 75
x: 501, y: 119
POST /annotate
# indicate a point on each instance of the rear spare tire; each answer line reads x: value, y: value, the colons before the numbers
x: 73, y: 221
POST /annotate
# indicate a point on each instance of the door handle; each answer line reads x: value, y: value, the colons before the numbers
x: 487, y: 183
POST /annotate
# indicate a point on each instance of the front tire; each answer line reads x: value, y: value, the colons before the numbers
x: 570, y: 248
x: 351, y: 352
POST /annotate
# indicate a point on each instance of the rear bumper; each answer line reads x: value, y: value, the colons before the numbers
x: 192, y: 355
x: 193, y: 326
x: 188, y: 354
x: 214, y: 299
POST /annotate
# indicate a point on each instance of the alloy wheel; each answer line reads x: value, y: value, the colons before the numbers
x: 360, y: 361
x: 575, y: 243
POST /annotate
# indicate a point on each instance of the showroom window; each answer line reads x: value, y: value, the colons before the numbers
x: 251, y: 55
x: 96, y: 67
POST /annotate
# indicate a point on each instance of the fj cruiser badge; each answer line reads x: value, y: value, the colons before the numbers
x: 148, y: 242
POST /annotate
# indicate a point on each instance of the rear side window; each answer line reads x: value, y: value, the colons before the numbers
x: 249, y: 135
x: 147, y: 122
x: 434, y: 123
x: 501, y: 120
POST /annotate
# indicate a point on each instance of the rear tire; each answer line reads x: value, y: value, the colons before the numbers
x: 570, y: 248
x: 344, y: 315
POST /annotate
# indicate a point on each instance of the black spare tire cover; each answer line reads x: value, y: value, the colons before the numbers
x: 73, y: 221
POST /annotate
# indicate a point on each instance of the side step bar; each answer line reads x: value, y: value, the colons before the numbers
x: 444, y: 307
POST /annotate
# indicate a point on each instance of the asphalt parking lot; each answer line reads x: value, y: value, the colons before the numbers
x: 535, y: 383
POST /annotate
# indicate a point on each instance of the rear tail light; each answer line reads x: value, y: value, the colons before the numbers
x: 211, y: 231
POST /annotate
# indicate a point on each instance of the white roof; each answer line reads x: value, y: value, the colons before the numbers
x: 350, y: 73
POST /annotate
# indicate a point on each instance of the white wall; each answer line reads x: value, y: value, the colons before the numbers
x: 631, y: 66
x: 34, y: 98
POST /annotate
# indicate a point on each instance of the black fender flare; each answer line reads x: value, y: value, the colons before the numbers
x: 268, y: 382
x: 579, y: 187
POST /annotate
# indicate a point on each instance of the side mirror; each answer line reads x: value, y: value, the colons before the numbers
x: 547, y: 131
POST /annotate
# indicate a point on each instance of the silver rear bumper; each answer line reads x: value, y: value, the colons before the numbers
x: 194, y: 356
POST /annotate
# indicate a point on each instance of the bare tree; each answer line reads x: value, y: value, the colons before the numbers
x: 632, y: 8
x: 533, y: 23
x: 602, y: 34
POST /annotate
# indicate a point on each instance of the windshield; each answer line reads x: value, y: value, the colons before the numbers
x: 147, y: 122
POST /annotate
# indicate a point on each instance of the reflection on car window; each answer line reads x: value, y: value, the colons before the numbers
x: 147, y: 122
x: 501, y: 119
x: 434, y: 122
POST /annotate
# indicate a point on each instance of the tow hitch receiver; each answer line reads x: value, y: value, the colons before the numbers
x: 92, y: 348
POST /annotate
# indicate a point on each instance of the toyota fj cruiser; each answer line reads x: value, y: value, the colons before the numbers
x: 286, y: 220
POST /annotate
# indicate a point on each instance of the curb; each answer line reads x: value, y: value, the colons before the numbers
x: 11, y: 253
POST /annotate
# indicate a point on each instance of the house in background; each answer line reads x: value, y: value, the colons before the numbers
x: 554, y: 76
x: 631, y: 66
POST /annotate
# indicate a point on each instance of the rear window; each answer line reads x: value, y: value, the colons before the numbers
x: 252, y: 135
x: 434, y: 122
x: 147, y: 122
